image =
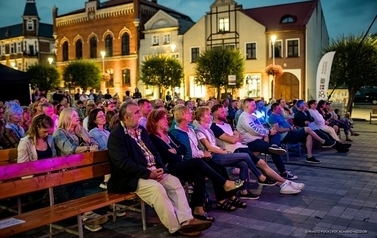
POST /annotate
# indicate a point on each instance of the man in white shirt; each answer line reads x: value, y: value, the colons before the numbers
x: 255, y: 136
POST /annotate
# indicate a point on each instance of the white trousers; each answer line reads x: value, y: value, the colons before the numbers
x: 168, y: 198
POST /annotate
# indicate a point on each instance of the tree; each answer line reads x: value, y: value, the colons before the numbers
x: 83, y: 74
x: 45, y: 76
x: 214, y: 65
x: 354, y: 64
x: 162, y: 71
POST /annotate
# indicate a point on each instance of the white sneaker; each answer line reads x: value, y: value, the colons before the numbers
x: 103, y: 185
x: 298, y: 186
x: 286, y: 188
x: 91, y: 215
x: 93, y: 227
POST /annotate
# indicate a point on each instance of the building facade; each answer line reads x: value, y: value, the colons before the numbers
x: 26, y: 43
x: 300, y: 32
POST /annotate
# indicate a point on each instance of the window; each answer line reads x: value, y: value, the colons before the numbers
x: 194, y: 54
x: 167, y: 39
x: 12, y: 49
x: 288, y: 19
x: 292, y: 48
x: 278, y: 49
x: 251, y: 51
x: 109, y: 45
x: 253, y: 85
x: 79, y: 49
x: 19, y: 48
x: 31, y: 50
x: 65, y: 51
x: 93, y: 47
x: 224, y: 24
x: 126, y: 77
x: 30, y: 25
x: 155, y: 40
x: 125, y: 44
x: 110, y: 82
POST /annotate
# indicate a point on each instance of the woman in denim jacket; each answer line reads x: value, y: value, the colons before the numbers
x: 38, y: 143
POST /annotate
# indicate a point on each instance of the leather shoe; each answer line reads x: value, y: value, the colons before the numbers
x: 204, y: 217
x: 190, y: 234
x: 195, y: 225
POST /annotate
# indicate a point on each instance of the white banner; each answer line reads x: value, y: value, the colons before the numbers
x: 323, y: 75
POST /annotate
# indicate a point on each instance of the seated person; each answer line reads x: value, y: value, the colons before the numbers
x: 303, y: 118
x: 230, y: 141
x: 261, y: 113
x: 256, y: 137
x: 194, y: 170
x: 294, y: 135
x: 12, y: 131
x: 136, y: 166
x: 186, y: 136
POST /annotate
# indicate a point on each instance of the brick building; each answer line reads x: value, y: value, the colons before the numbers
x: 114, y: 27
x: 26, y: 43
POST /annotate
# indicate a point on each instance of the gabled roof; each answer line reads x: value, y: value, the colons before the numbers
x: 30, y: 9
x: 271, y: 16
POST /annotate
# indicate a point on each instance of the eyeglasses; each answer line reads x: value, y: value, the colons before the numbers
x: 107, y: 103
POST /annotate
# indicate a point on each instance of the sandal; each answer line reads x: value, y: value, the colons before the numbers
x: 237, y: 202
x: 204, y: 217
x: 225, y: 206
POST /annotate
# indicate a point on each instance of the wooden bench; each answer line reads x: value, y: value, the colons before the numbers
x: 50, y: 173
x: 373, y: 114
x: 8, y: 156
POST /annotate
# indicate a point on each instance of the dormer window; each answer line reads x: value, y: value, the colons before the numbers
x: 30, y: 25
x: 288, y: 19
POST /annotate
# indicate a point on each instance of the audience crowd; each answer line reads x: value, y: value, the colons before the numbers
x: 156, y: 146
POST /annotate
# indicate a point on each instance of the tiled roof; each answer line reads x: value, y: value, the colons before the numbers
x: 45, y: 30
x: 271, y: 16
x: 30, y: 9
x: 11, y: 31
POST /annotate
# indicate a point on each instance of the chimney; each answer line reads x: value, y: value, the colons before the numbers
x: 136, y: 12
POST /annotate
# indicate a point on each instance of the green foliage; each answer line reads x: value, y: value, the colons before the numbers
x: 83, y: 74
x: 162, y: 71
x: 45, y: 76
x: 354, y: 65
x: 214, y: 65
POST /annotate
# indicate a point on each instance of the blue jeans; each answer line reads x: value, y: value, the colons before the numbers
x: 262, y: 146
x: 239, y: 160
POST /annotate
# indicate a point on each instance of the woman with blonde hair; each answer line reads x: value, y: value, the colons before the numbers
x: 71, y: 138
x: 37, y: 143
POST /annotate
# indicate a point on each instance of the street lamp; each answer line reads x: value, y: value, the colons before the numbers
x: 103, y: 53
x: 273, y: 39
x: 50, y: 60
x: 173, y: 46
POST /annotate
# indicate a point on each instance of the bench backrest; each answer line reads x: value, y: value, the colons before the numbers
x: 8, y: 156
x: 49, y: 173
x: 374, y: 109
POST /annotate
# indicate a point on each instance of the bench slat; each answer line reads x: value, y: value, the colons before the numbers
x: 47, y: 165
x: 8, y: 156
x: 24, y: 186
x: 63, y: 211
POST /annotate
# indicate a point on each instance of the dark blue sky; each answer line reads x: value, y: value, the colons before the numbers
x: 342, y: 16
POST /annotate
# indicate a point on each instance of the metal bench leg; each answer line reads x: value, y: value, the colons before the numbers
x: 79, y: 226
x: 19, y: 205
x: 143, y: 216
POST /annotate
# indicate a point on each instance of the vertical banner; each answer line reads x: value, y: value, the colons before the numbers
x: 323, y: 75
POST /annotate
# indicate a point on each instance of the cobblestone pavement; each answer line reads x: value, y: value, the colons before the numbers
x: 339, y: 200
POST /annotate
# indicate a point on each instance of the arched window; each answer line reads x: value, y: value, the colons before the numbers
x: 65, y: 51
x: 126, y: 77
x: 288, y: 19
x: 93, y: 47
x: 125, y: 44
x: 78, y: 49
x: 109, y: 45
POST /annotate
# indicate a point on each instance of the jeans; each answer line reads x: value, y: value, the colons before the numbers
x: 262, y: 147
x: 240, y: 160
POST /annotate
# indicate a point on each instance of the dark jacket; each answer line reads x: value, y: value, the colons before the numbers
x: 300, y: 118
x: 163, y: 149
x: 127, y: 161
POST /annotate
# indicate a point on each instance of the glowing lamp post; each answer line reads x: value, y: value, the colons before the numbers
x: 273, y: 39
x: 103, y: 54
